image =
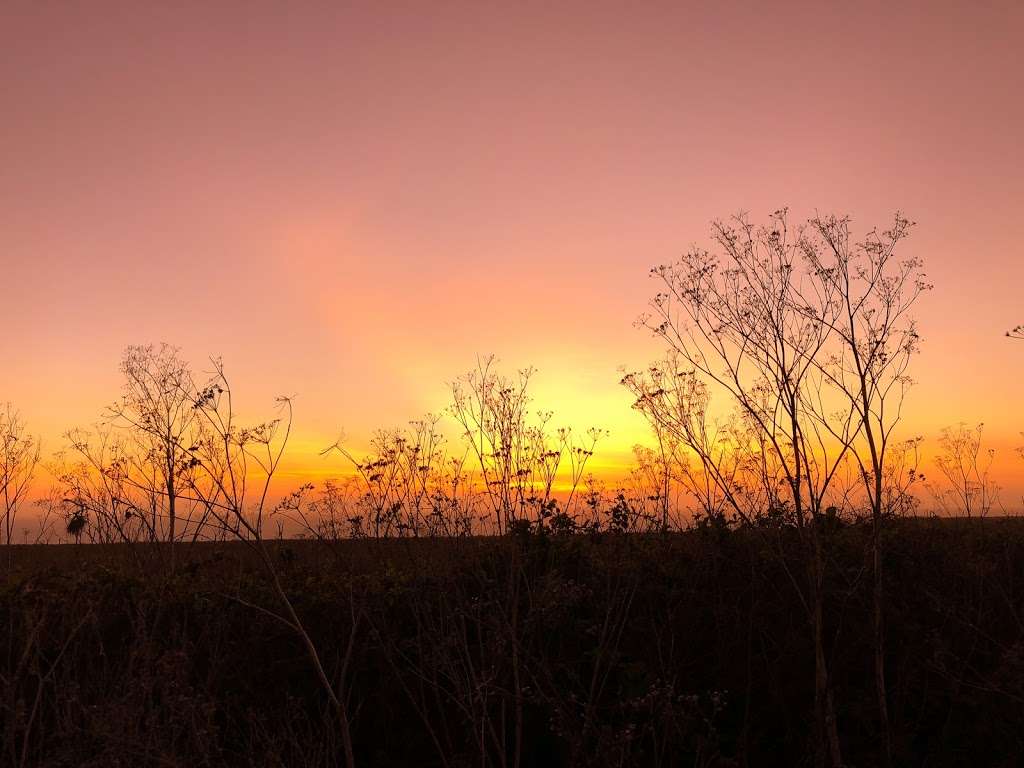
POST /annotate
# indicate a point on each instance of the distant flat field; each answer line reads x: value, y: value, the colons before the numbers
x: 375, y: 554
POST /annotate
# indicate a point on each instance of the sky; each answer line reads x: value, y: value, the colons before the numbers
x: 348, y: 202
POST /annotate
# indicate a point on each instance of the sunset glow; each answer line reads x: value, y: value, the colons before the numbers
x: 349, y: 205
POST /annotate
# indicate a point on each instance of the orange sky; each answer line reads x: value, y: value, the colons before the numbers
x: 348, y: 202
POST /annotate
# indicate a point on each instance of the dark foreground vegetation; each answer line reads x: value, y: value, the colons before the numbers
x: 601, y: 649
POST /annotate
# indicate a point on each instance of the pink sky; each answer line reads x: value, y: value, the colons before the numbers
x: 348, y: 202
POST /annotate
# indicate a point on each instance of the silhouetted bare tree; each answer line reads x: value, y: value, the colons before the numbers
x: 19, y: 457
x: 122, y: 479
x: 95, y: 491
x: 157, y: 410
x: 807, y: 336
x: 967, y: 487
x: 519, y: 459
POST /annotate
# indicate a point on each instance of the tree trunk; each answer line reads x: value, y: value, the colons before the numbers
x: 879, y: 632
x: 171, y: 518
x: 828, y: 751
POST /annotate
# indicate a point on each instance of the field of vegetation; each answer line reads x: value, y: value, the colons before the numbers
x: 597, y: 649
